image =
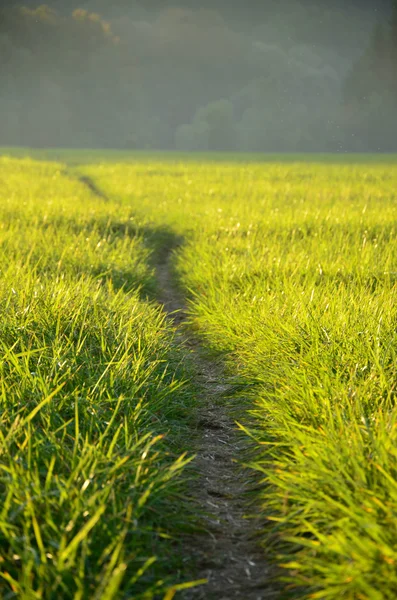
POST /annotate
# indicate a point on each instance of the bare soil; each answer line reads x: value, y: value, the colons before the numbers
x: 226, y: 553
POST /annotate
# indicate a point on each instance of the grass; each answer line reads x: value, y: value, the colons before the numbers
x: 94, y: 409
x: 80, y: 156
x: 291, y: 272
x: 290, y: 267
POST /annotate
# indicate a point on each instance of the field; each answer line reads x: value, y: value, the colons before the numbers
x: 289, y: 270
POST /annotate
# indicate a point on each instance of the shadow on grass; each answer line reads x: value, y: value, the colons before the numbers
x: 138, y: 275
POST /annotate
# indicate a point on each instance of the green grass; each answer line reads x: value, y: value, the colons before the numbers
x: 290, y: 267
x: 93, y: 406
x: 76, y: 157
x: 291, y: 271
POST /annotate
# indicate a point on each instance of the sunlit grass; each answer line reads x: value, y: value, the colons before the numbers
x: 291, y: 271
x: 93, y: 409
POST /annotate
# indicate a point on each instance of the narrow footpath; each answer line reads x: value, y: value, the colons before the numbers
x: 226, y: 553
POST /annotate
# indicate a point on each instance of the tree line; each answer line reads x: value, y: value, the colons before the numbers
x: 185, y: 80
x: 369, y: 94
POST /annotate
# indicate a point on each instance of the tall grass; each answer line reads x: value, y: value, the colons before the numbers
x: 291, y: 271
x: 93, y: 406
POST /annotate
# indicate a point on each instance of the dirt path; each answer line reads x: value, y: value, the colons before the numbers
x: 226, y: 554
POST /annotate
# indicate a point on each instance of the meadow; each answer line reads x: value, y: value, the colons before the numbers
x: 91, y: 383
x: 289, y: 267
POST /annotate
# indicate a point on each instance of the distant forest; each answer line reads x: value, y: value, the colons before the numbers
x: 189, y: 79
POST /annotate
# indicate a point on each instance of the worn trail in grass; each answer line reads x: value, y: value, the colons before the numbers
x: 290, y: 270
x: 226, y: 552
x: 224, y: 548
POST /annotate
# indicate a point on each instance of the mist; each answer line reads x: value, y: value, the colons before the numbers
x: 215, y: 76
